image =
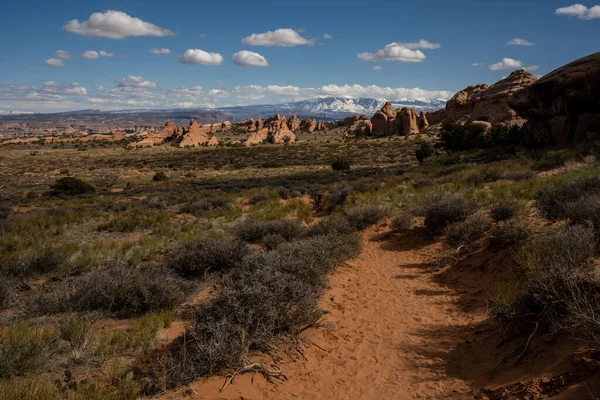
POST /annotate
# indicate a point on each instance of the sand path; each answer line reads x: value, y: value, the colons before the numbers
x: 394, y: 329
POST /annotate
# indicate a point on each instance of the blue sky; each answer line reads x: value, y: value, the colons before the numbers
x: 432, y: 46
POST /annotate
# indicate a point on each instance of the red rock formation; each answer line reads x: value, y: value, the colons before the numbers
x: 389, y: 121
x: 483, y: 103
x: 293, y: 123
x: 563, y: 106
x: 308, y: 125
x: 422, y: 121
x: 275, y: 130
x: 195, y: 136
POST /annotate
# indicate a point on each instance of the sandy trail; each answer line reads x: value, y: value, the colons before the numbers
x: 393, y: 335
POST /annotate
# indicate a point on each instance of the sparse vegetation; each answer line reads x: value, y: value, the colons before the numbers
x: 402, y: 221
x: 70, y: 186
x: 363, y: 216
x: 441, y: 209
x: 467, y: 232
x: 504, y: 209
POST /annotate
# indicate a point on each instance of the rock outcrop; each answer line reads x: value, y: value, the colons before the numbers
x: 321, y: 126
x: 563, y: 106
x: 293, y: 123
x: 483, y: 103
x: 274, y: 130
x: 422, y: 121
x: 195, y: 136
x: 308, y: 125
x: 169, y: 132
x: 389, y: 121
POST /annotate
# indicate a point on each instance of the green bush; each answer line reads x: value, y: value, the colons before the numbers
x: 340, y: 164
x: 160, y: 177
x: 202, y: 257
x: 458, y: 137
x: 402, y: 221
x: 552, y: 199
x: 363, y: 216
x: 24, y: 349
x: 441, y: 209
x: 424, y: 151
x: 509, y: 233
x: 70, y: 186
x: 253, y: 231
x: 504, y: 209
x: 467, y: 232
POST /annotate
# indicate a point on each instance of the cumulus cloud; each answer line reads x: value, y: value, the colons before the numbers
x: 132, y: 81
x: 114, y: 25
x: 63, y: 54
x: 378, y: 68
x: 105, y: 54
x: 394, y: 52
x: 532, y: 68
x: 421, y: 44
x: 281, y: 37
x: 90, y: 55
x: 249, y: 59
x: 159, y: 51
x: 55, y: 62
x: 327, y: 36
x: 480, y: 64
x: 520, y: 42
x: 201, y: 57
x: 506, y: 63
x: 580, y: 11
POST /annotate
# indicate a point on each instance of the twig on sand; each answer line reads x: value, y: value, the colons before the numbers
x: 268, y: 374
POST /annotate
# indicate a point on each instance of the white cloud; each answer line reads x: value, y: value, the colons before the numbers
x: 114, y: 25
x: 63, y: 54
x: 55, y: 62
x: 201, y: 57
x: 580, y: 11
x: 132, y: 81
x: 202, y: 35
x: 218, y: 92
x: 90, y: 55
x: 327, y: 36
x: 480, y: 64
x: 506, y: 63
x: 281, y: 37
x: 373, y: 91
x: 159, y: 51
x: 421, y: 44
x: 394, y: 52
x: 249, y: 59
x: 520, y: 42
x: 378, y: 67
x: 105, y: 54
x: 532, y: 68
x: 95, y: 100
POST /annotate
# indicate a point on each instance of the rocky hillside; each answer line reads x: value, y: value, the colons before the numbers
x: 564, y: 106
x: 483, y: 103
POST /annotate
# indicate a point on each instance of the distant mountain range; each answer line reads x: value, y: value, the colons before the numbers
x: 328, y: 107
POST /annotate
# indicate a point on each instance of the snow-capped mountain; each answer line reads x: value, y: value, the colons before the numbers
x: 330, y: 107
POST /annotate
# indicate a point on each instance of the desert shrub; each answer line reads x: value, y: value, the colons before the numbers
x: 138, y: 219
x: 122, y: 290
x: 552, y: 199
x: 253, y: 231
x: 272, y: 295
x: 5, y: 211
x: 335, y: 196
x: 6, y: 288
x: 271, y: 242
x: 509, y: 232
x: 286, y: 194
x: 504, y: 209
x: 202, y: 257
x: 207, y: 205
x: 457, y: 137
x: 340, y: 164
x: 402, y: 221
x: 553, y: 159
x: 560, y: 292
x: 258, y: 198
x: 363, y: 216
x: 585, y: 210
x: 75, y: 330
x: 44, y: 261
x: 504, y: 135
x: 441, y: 209
x: 485, y: 175
x: 24, y: 349
x: 465, y: 233
x: 333, y: 225
x: 160, y: 177
x: 70, y: 186
x: 424, y: 151
x: 518, y: 175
